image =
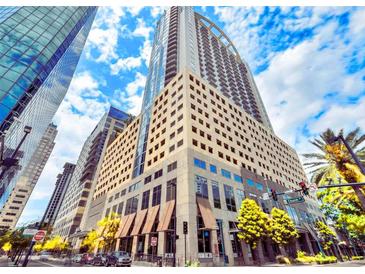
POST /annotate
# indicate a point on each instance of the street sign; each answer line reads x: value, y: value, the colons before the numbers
x: 265, y: 196
x: 30, y: 232
x: 153, y: 241
x: 294, y: 200
x: 39, y: 236
x: 313, y: 187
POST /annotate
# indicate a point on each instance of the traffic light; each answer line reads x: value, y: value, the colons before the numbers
x: 274, y: 195
x: 304, y: 188
x: 185, y: 227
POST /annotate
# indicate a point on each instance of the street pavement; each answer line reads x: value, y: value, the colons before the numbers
x: 53, y: 262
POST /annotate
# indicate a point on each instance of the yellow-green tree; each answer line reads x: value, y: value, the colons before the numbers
x: 108, y: 227
x: 325, y: 234
x: 91, y: 240
x: 281, y: 228
x: 6, y: 247
x: 103, y: 236
x: 38, y: 247
x: 334, y: 158
x: 251, y: 223
x: 55, y: 244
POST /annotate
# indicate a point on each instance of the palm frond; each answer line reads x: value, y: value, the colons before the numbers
x: 319, y: 144
x: 314, y: 155
x: 352, y: 136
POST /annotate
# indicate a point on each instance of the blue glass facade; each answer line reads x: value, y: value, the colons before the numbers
x: 39, y: 51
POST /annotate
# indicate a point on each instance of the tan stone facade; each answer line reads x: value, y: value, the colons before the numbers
x: 199, y: 141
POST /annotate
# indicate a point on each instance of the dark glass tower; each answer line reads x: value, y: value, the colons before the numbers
x: 39, y: 51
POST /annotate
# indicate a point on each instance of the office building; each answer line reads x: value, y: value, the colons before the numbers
x: 63, y: 180
x: 82, y: 182
x: 28, y: 179
x: 195, y: 152
x: 39, y: 51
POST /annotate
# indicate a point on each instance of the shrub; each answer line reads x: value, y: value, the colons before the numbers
x: 320, y: 258
x: 357, y: 258
x: 345, y: 257
x: 303, y: 258
x: 192, y: 264
x: 282, y: 259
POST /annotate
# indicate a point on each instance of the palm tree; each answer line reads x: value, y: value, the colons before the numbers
x: 335, y: 159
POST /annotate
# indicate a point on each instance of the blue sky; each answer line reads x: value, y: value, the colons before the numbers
x: 308, y: 63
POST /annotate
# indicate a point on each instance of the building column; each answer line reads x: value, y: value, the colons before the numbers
x: 245, y: 251
x: 215, y: 250
x: 146, y: 243
x: 161, y: 244
x: 134, y: 246
x: 260, y: 252
x: 309, y: 243
x: 270, y: 250
x: 117, y: 244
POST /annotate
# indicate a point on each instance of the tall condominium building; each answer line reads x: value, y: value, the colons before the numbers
x: 63, y: 180
x: 73, y: 205
x: 203, y: 150
x: 18, y: 198
x: 186, y: 39
x: 39, y: 51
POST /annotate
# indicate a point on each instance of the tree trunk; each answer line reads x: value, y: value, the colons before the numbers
x: 360, y: 195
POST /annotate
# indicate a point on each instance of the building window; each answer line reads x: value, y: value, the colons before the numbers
x: 156, y: 196
x: 131, y: 206
x: 180, y: 143
x: 120, y: 208
x: 240, y: 196
x: 204, y: 241
x: 250, y: 182
x: 226, y: 173
x: 237, y: 178
x: 199, y: 163
x: 172, y: 166
x: 133, y: 187
x: 213, y: 169
x: 145, y: 199
x: 170, y: 190
x: 107, y: 212
x: 216, y: 196
x: 230, y: 202
x: 259, y: 186
x: 158, y: 173
x: 201, y: 186
x: 148, y: 179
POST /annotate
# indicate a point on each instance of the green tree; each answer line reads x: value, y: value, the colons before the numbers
x: 325, y: 234
x: 91, y: 240
x: 281, y: 228
x: 55, y: 244
x: 335, y: 159
x: 251, y: 223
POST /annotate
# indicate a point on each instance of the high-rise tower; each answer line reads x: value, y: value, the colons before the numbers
x: 54, y: 203
x: 86, y: 171
x: 19, y: 196
x: 186, y: 39
x: 39, y: 51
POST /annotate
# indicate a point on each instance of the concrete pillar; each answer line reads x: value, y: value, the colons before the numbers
x: 161, y: 244
x: 245, y: 251
x: 134, y: 246
x: 260, y: 252
x: 215, y: 250
x: 309, y: 243
x: 270, y: 249
x: 117, y: 244
x: 146, y: 243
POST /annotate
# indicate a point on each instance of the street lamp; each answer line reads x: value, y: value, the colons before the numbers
x: 173, y: 183
x: 11, y: 161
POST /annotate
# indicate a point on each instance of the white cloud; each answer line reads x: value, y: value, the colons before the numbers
x: 131, y: 98
x: 141, y: 29
x: 157, y: 11
x: 125, y: 64
x: 136, y: 85
x: 103, y: 36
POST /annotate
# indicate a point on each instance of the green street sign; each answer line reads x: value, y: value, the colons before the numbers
x: 295, y: 200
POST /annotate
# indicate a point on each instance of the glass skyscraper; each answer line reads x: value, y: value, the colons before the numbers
x: 39, y: 51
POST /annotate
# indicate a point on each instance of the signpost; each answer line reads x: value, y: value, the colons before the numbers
x: 30, y: 232
x: 265, y: 196
x: 39, y: 236
x: 294, y: 200
x: 153, y: 245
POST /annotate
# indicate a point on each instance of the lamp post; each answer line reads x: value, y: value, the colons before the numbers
x: 174, y: 236
x: 11, y: 161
